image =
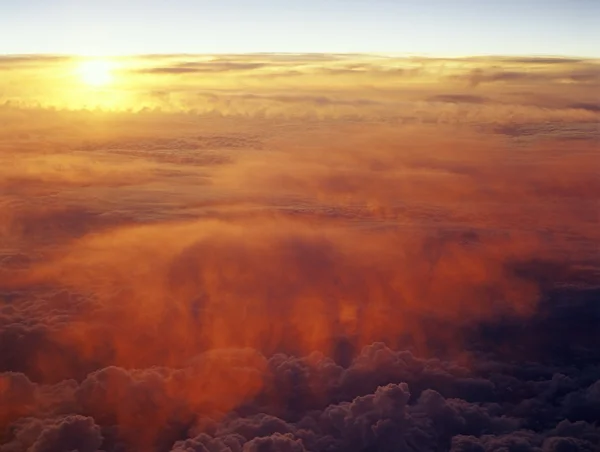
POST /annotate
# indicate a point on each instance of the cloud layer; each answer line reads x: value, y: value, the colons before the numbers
x: 300, y: 253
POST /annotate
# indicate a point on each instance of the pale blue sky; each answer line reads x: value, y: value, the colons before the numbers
x: 440, y: 27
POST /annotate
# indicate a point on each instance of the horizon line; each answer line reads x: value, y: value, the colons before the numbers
x: 267, y: 53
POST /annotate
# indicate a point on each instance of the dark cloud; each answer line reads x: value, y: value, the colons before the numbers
x: 585, y: 75
x: 542, y: 60
x: 16, y: 62
x: 208, y: 67
x: 459, y: 98
x: 192, y: 143
x: 170, y: 70
x: 589, y: 106
x: 295, y: 99
x: 478, y: 76
x: 561, y: 131
x: 49, y: 435
x: 318, y: 405
x: 495, y: 59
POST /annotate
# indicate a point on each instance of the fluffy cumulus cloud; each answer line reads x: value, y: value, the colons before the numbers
x: 288, y: 253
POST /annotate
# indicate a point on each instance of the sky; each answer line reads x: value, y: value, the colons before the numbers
x: 307, y: 252
x: 433, y: 27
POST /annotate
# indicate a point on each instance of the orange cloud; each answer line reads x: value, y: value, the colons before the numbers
x: 244, y: 263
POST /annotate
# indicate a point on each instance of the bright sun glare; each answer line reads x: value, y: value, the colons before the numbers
x: 96, y: 72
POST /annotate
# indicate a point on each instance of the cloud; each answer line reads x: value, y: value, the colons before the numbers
x: 459, y: 98
x: 363, y: 254
x: 543, y: 60
x: 352, y: 408
x: 293, y: 99
x: 589, y: 106
x: 478, y: 76
x: 20, y: 62
x: 66, y: 433
x: 205, y: 67
x: 368, y: 87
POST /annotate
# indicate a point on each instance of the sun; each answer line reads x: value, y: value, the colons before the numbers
x: 96, y: 72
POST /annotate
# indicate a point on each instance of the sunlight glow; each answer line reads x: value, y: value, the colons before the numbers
x: 96, y: 72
